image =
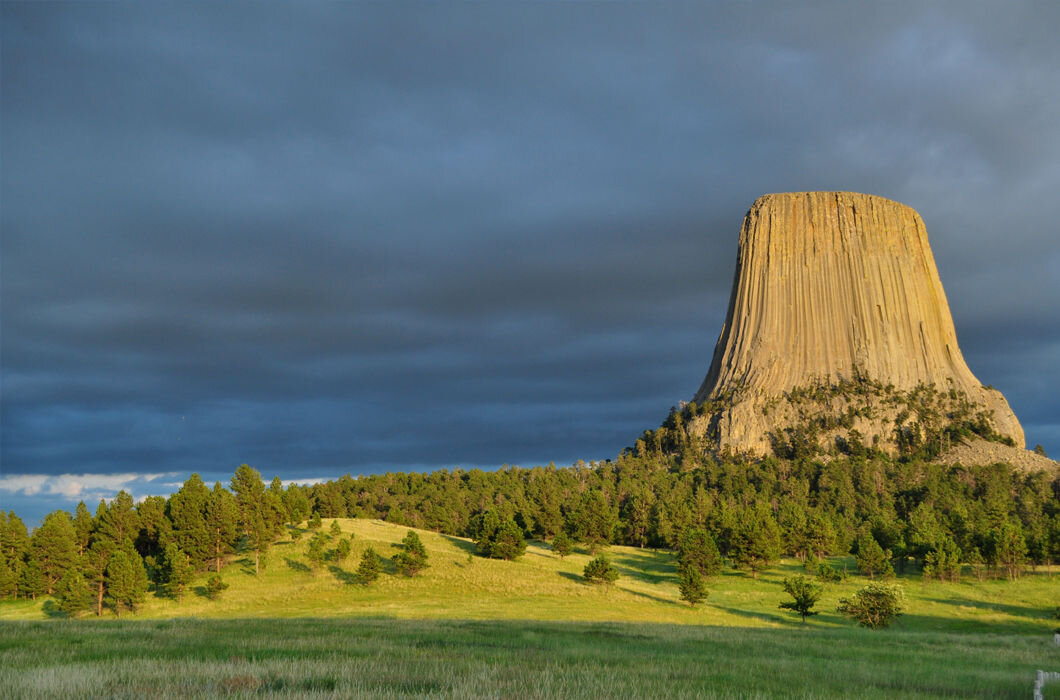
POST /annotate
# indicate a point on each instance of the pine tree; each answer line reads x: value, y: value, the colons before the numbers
x: 368, y: 571
x: 119, y: 522
x: 600, y: 570
x: 696, y: 549
x: 276, y: 512
x: 126, y: 581
x: 592, y: 520
x: 562, y: 545
x: 1008, y: 549
x: 342, y: 550
x: 156, y: 530
x: 692, y: 585
x: 335, y: 530
x: 871, y: 558
x: 188, y: 512
x: 95, y: 563
x: 316, y: 552
x: 250, y: 500
x: 8, y: 580
x: 53, y: 547
x: 805, y: 594
x: 222, y: 524
x: 497, y: 536
x: 215, y: 586
x: 413, y: 558
x: 73, y: 594
x: 83, y: 527
x: 177, y: 571
x: 755, y: 543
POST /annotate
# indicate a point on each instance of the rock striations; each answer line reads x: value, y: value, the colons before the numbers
x: 836, y: 289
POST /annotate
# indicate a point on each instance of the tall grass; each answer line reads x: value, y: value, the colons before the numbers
x: 397, y: 658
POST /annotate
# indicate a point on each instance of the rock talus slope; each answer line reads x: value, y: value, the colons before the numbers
x: 828, y: 285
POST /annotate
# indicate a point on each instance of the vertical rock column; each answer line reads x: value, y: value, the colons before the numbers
x: 826, y: 282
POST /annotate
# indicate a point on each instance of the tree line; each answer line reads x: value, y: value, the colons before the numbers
x: 894, y: 514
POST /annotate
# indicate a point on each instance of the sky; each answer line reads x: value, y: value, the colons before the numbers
x: 328, y: 238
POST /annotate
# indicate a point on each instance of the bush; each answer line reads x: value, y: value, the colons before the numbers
x: 875, y: 606
x: 562, y: 545
x: 215, y: 587
x: 692, y: 586
x: 413, y: 558
x: 368, y: 571
x: 805, y: 594
x: 600, y: 570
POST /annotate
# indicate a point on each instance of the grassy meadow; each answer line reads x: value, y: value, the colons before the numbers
x: 533, y: 628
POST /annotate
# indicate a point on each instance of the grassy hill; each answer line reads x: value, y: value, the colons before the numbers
x: 541, y: 586
x: 470, y: 627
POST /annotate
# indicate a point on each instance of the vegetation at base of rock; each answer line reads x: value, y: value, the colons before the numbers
x: 875, y: 606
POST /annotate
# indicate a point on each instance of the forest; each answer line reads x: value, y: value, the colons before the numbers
x: 895, y: 514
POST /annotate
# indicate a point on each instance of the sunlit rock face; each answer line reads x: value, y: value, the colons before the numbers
x: 830, y: 286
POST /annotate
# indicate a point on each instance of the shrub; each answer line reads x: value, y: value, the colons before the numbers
x: 214, y: 587
x: 692, y: 587
x: 805, y: 594
x: 875, y: 606
x: 368, y: 570
x: 562, y: 545
x: 600, y: 570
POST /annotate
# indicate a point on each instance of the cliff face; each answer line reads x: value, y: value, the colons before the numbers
x: 829, y: 285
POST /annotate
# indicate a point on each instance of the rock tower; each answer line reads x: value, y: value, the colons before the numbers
x: 837, y: 290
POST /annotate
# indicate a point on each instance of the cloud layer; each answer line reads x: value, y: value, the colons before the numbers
x: 347, y: 237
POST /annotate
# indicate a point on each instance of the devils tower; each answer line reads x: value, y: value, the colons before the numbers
x: 838, y: 323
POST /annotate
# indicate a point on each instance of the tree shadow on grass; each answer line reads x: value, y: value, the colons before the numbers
x: 246, y: 564
x: 296, y: 565
x: 572, y: 577
x: 464, y: 545
x: 344, y: 576
x: 645, y: 568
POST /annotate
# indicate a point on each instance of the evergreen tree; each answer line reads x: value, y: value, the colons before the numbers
x: 296, y: 503
x: 222, y: 524
x: 592, y: 520
x: 1008, y: 549
x: 342, y: 550
x: 215, y: 586
x: 315, y: 523
x: 696, y: 549
x: 943, y: 562
x: 156, y: 529
x: 53, y: 546
x: 872, y: 560
x: 14, y: 544
x: 413, y: 557
x: 562, y: 545
x: 497, y: 536
x: 335, y: 530
x: 805, y: 594
x: 250, y: 501
x: 600, y: 570
x: 119, y: 521
x: 126, y: 580
x: 8, y: 580
x: 692, y: 585
x: 368, y: 570
x: 178, y: 571
x: 276, y: 512
x: 755, y: 543
x: 95, y: 563
x: 316, y: 552
x: 73, y: 594
x: 83, y: 527
x: 188, y: 512
x: 32, y: 581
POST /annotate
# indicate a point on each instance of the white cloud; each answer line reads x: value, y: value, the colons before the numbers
x: 73, y: 486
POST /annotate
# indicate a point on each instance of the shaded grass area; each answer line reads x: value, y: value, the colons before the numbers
x: 453, y: 658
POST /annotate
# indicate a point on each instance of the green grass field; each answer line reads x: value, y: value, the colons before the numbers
x: 471, y: 626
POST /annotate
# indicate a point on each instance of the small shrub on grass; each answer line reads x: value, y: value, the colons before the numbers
x: 600, y: 570
x: 562, y: 545
x: 315, y: 523
x: 805, y: 594
x: 335, y: 530
x: 368, y: 570
x: 215, y: 587
x: 875, y: 606
x: 826, y: 573
x: 342, y: 550
x: 413, y: 558
x: 692, y: 587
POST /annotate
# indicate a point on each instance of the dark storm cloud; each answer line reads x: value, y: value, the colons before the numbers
x: 346, y: 237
